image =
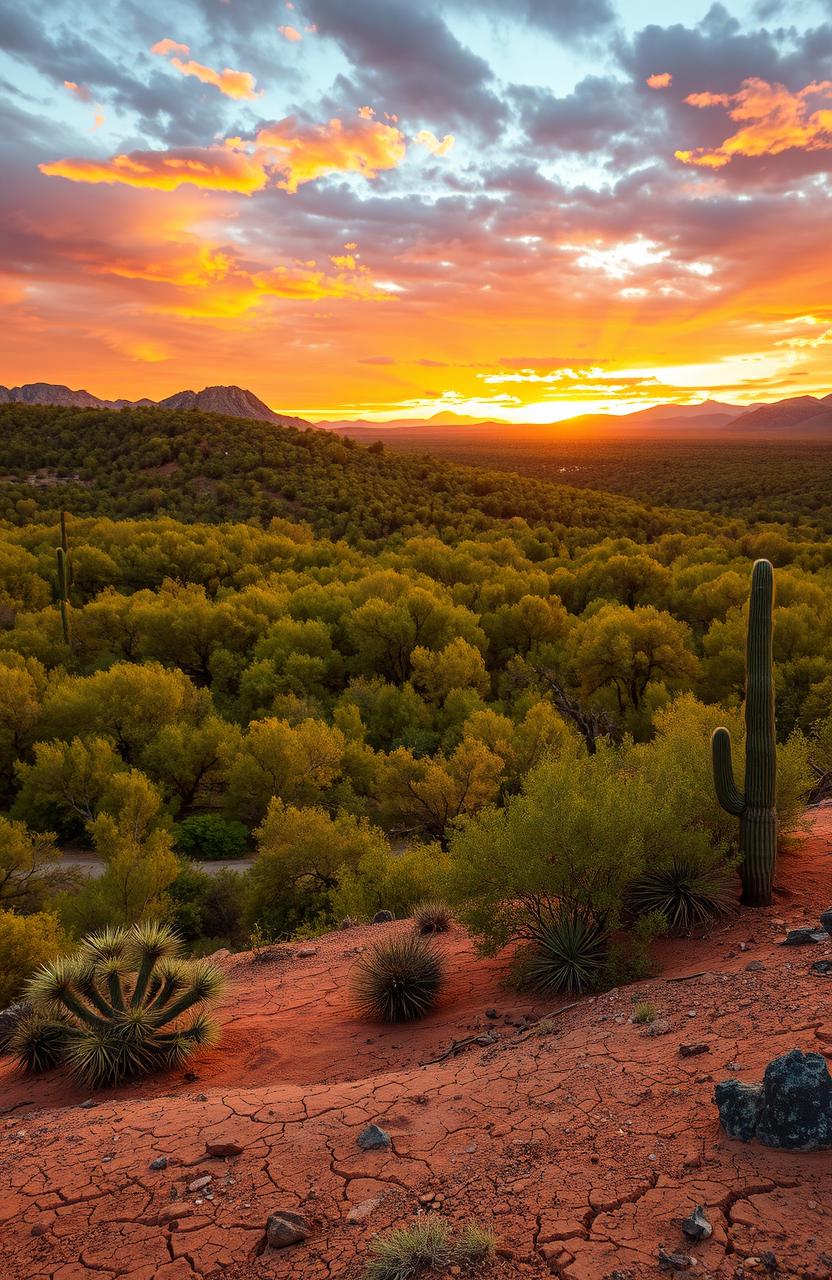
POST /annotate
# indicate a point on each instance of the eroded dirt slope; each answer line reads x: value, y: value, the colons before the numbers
x: 581, y: 1143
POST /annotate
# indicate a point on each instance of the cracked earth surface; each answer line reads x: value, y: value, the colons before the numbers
x: 581, y: 1144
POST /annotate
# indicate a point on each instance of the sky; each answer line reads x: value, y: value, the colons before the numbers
x: 384, y: 209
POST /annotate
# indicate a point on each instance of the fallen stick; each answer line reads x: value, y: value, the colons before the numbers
x: 688, y: 977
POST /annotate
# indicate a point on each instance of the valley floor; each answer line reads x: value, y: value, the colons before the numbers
x: 581, y: 1142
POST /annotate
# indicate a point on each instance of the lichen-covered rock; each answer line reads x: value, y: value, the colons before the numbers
x: 739, y: 1108
x: 792, y: 1109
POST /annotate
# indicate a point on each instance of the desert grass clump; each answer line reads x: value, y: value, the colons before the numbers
x: 644, y: 1012
x: 684, y: 893
x: 121, y: 1006
x: 427, y: 1246
x: 431, y: 917
x: 398, y: 980
x: 566, y: 956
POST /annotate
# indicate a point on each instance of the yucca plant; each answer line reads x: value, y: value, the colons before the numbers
x: 399, y: 980
x: 123, y: 1005
x: 566, y: 955
x: 431, y: 917
x: 685, y: 893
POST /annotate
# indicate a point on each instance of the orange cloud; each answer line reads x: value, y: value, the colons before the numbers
x: 284, y: 154
x: 662, y: 80
x: 80, y: 90
x: 234, y: 84
x: 218, y: 168
x: 304, y: 153
x: 774, y: 120
x: 436, y: 146
x: 291, y: 34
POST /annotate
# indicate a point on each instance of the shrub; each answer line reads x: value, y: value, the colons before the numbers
x: 431, y: 917
x: 205, y: 905
x: 566, y: 956
x: 644, y: 1012
x: 207, y: 837
x: 427, y: 1245
x: 25, y: 943
x: 388, y: 881
x: 684, y: 893
x: 122, y: 1005
x: 399, y: 980
x: 302, y: 853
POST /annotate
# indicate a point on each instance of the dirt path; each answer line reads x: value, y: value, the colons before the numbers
x: 581, y: 1147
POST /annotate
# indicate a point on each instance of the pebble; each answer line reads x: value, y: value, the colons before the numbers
x: 374, y: 1139
x: 161, y: 1162
x: 694, y: 1050
x: 755, y: 966
x: 304, y: 953
x: 199, y: 1184
x: 223, y: 1147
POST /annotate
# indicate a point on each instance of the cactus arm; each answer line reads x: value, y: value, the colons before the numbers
x: 727, y: 792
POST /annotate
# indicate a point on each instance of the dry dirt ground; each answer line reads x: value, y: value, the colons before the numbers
x: 581, y: 1144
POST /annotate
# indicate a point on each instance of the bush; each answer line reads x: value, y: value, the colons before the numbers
x: 121, y: 1006
x: 302, y: 854
x: 207, y: 906
x: 25, y: 943
x: 399, y: 980
x: 644, y: 1012
x: 206, y: 837
x: 431, y: 917
x: 567, y: 954
x: 387, y: 881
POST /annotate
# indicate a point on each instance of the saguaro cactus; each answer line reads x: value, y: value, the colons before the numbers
x: 63, y: 592
x: 755, y: 805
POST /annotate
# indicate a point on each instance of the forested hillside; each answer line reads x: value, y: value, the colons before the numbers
x: 272, y: 639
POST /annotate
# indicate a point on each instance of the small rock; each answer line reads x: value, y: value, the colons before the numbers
x: 673, y: 1261
x: 304, y: 953
x: 658, y: 1027
x: 694, y: 1050
x: 826, y: 920
x: 374, y: 1139
x: 161, y: 1162
x: 199, y: 1184
x: 223, y: 1147
x: 38, y: 1230
x: 88, y: 1104
x: 692, y: 1160
x: 382, y: 917
x: 200, y: 1097
x: 755, y: 966
x: 363, y: 1210
x: 697, y: 1226
x: 285, y: 1227
x: 491, y: 1013
x: 190, y: 1076
x: 822, y: 967
x: 801, y: 937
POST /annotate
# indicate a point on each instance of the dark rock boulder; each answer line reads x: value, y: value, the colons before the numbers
x: 791, y: 1109
x: 382, y: 917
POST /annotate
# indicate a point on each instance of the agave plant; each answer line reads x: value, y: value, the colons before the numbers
x: 123, y: 1005
x: 567, y: 953
x: 399, y: 980
x: 685, y: 893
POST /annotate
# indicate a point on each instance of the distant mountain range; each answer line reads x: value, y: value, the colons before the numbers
x: 799, y: 417
x: 235, y: 402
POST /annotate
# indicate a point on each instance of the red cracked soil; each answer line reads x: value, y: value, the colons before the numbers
x: 581, y: 1144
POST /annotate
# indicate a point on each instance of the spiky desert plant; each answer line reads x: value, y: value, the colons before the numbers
x: 405, y: 1252
x: 755, y: 806
x: 431, y: 917
x: 567, y: 954
x: 685, y: 894
x: 38, y: 1042
x: 399, y: 980
x: 127, y: 1002
x: 474, y: 1245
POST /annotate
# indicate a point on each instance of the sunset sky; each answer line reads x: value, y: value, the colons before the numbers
x: 372, y: 208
